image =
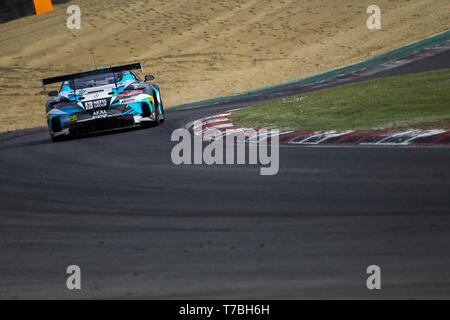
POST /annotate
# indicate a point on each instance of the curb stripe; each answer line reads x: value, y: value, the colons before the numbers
x: 209, y: 127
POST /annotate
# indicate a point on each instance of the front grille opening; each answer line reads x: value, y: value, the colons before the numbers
x: 146, y: 110
x: 98, y: 125
x: 56, y: 125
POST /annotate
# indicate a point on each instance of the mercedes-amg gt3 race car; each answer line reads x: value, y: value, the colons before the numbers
x: 102, y: 100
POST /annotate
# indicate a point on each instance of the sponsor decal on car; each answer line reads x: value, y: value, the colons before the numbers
x: 99, y: 114
x: 94, y: 104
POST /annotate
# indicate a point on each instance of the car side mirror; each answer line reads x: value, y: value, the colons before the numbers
x: 53, y: 93
x: 149, y: 77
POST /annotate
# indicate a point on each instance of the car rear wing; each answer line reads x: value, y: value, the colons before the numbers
x: 72, y: 76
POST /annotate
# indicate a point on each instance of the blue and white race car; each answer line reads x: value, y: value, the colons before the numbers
x: 102, y: 100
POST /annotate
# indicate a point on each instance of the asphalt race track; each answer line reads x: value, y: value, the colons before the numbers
x: 142, y: 227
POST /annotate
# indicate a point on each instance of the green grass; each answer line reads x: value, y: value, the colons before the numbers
x: 417, y: 101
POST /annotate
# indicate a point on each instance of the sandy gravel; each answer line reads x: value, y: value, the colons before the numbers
x: 201, y: 49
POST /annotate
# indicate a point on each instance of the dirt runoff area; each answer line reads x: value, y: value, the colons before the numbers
x: 201, y: 49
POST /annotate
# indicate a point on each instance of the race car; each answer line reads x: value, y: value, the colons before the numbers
x: 102, y: 100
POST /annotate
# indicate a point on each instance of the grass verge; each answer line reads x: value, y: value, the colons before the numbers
x: 410, y: 101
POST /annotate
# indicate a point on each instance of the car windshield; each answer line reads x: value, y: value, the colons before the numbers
x: 96, y: 80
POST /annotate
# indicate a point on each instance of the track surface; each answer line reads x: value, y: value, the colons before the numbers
x: 139, y: 226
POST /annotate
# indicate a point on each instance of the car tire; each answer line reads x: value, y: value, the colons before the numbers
x: 157, y: 121
x: 151, y: 124
x: 162, y: 107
